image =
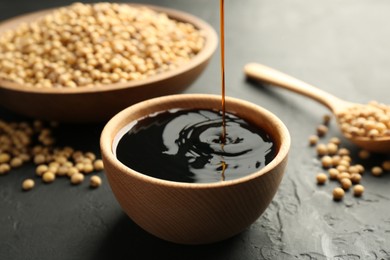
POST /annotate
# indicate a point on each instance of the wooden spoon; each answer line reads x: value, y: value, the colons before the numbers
x: 335, y: 104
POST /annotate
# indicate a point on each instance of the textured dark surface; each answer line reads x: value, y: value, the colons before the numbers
x: 340, y: 46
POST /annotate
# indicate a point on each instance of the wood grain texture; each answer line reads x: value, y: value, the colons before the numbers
x: 188, y: 213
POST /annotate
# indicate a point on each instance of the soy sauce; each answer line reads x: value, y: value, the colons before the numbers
x: 186, y: 146
x: 189, y: 146
x: 222, y: 42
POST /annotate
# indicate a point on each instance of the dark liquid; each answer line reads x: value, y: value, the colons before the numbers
x: 222, y: 42
x: 189, y: 146
x: 186, y: 146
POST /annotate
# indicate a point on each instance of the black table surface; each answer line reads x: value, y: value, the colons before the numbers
x: 340, y: 46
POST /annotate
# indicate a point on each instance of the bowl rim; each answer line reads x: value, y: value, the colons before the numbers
x: 107, y: 140
x: 207, y: 51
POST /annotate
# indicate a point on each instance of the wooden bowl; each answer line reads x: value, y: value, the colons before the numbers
x: 99, y: 103
x: 194, y: 213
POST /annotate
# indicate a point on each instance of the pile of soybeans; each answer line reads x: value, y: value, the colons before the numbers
x: 336, y: 161
x: 84, y: 45
x: 25, y: 142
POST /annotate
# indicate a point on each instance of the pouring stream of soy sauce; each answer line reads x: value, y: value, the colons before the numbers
x: 222, y: 40
x: 189, y: 146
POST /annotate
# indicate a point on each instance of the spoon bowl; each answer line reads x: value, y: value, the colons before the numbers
x: 336, y: 105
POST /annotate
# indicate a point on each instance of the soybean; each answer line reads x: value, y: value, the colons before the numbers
x: 28, y: 184
x: 77, y: 178
x: 338, y: 193
x: 358, y: 190
x: 95, y: 181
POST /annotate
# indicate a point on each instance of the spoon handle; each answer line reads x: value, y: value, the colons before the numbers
x: 266, y: 74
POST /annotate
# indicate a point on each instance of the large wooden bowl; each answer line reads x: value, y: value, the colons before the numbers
x: 99, y: 103
x: 194, y: 213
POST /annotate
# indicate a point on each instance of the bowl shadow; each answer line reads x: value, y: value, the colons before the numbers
x: 126, y: 240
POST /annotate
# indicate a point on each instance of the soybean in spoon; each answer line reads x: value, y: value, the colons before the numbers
x: 366, y: 125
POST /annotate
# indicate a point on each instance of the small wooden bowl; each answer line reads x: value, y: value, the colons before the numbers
x: 99, y: 103
x: 194, y: 213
